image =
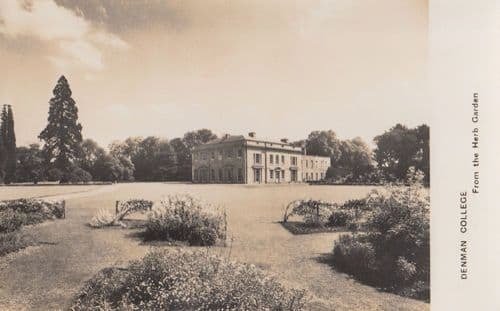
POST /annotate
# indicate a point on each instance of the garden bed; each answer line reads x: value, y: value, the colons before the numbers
x: 15, y: 214
x: 299, y: 227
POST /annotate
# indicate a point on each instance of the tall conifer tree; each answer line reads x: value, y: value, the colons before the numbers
x: 63, y: 134
x: 3, y: 139
x: 10, y: 147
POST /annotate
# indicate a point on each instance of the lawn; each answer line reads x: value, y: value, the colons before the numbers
x: 48, y: 276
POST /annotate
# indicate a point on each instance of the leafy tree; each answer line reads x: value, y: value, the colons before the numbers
x: 29, y: 164
x: 400, y: 148
x: 354, y: 163
x: 323, y: 143
x: 198, y: 137
x: 182, y: 159
x: 62, y: 135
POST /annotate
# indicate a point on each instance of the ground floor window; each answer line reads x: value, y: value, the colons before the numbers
x: 271, y: 174
x: 293, y: 175
x: 283, y: 174
x: 220, y: 175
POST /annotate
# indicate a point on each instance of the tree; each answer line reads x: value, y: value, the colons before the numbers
x: 323, y: 143
x: 3, y: 141
x: 10, y: 147
x: 63, y: 134
x: 400, y: 148
x: 354, y: 163
x: 182, y: 159
x: 29, y: 164
x: 198, y: 137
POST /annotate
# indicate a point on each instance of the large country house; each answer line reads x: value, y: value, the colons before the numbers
x: 250, y: 160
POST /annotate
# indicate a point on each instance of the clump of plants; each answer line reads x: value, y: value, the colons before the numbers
x: 186, y: 280
x: 393, y: 251
x: 15, y: 214
x: 105, y: 218
x: 313, y: 212
x: 185, y: 218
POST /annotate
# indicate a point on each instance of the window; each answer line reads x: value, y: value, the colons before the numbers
x: 283, y: 159
x: 312, y: 164
x: 213, y: 155
x: 282, y: 174
x: 294, y: 160
x: 230, y: 174
x: 317, y: 176
x: 204, y: 155
x: 195, y: 174
x: 240, y: 153
x: 322, y: 176
x: 271, y: 159
x: 271, y: 174
x: 229, y: 153
x: 212, y: 175
x: 277, y: 159
x: 257, y: 158
x: 307, y: 163
x: 220, y: 175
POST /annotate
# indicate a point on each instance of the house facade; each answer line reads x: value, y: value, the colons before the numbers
x: 250, y: 160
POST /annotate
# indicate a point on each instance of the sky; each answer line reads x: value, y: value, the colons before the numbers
x: 281, y: 68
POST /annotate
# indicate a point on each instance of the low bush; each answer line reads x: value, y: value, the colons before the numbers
x: 184, y: 218
x: 14, y: 241
x: 186, y: 280
x: 21, y: 212
x: 340, y: 218
x: 394, y: 251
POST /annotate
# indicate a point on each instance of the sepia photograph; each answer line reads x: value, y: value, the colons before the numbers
x: 215, y: 155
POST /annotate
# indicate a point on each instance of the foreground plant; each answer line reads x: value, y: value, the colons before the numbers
x: 186, y: 280
x: 394, y: 252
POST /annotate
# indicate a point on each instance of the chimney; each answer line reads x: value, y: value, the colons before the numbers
x: 251, y: 134
x: 284, y: 140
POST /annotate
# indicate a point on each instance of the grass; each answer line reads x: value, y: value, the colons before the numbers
x: 257, y: 239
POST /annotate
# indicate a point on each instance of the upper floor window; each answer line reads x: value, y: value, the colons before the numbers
x: 282, y: 159
x: 240, y: 153
x: 294, y: 160
x: 213, y: 155
x: 277, y: 159
x: 257, y: 158
x: 271, y: 159
x: 203, y: 155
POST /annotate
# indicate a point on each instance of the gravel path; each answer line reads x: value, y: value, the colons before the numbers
x: 46, y: 277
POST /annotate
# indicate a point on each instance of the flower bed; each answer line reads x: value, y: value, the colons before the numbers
x: 186, y: 280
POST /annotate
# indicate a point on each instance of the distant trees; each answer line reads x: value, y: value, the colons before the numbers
x: 7, y: 145
x: 63, y: 134
x: 400, y: 148
x: 351, y: 160
x: 29, y: 164
x: 157, y: 159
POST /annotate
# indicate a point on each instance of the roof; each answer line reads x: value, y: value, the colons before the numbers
x: 235, y: 138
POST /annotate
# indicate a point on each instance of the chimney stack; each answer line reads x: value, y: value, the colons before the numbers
x: 284, y: 140
x: 251, y: 134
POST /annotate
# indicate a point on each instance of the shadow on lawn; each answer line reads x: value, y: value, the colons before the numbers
x: 299, y: 227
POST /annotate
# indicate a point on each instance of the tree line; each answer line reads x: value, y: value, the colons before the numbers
x: 66, y: 157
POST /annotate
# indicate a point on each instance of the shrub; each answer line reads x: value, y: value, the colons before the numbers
x: 396, y: 240
x: 340, y: 218
x: 78, y: 175
x: 184, y: 218
x: 355, y: 255
x: 313, y: 212
x: 102, y: 218
x: 14, y: 241
x: 21, y: 212
x: 135, y: 205
x: 185, y: 280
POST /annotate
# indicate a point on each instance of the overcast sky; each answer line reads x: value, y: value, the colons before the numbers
x: 280, y: 68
